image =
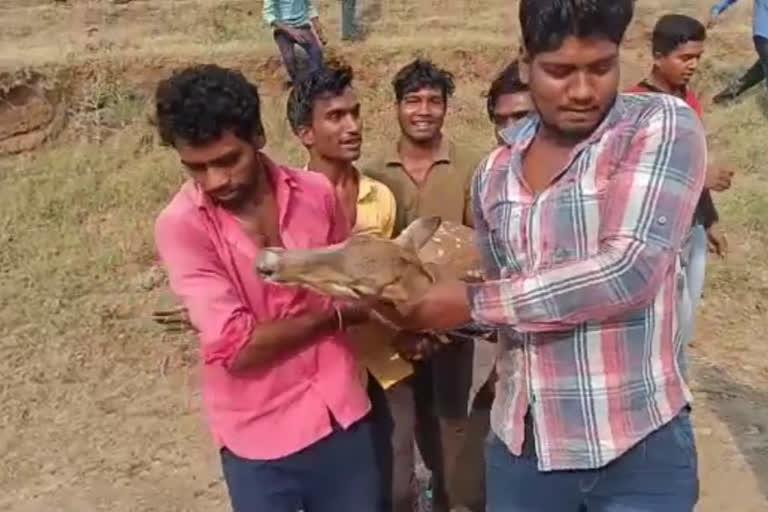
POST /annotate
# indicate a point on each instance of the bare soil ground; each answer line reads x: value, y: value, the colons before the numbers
x: 99, y: 410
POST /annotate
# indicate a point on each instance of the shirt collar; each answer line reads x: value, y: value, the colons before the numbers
x: 444, y: 153
x: 524, y: 131
x: 366, y: 192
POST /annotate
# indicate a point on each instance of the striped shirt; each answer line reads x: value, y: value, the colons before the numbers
x: 587, y: 282
x: 296, y: 13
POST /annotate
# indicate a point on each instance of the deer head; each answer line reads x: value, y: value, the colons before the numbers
x: 361, y: 267
x: 394, y: 272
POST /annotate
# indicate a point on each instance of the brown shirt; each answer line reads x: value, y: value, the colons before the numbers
x: 446, y: 192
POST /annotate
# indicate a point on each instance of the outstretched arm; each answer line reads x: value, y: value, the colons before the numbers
x: 722, y: 6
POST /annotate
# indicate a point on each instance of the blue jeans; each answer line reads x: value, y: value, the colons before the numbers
x: 659, y: 474
x: 336, y: 474
x: 695, y: 253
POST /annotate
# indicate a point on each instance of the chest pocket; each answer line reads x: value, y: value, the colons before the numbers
x: 571, y: 217
x: 507, y: 235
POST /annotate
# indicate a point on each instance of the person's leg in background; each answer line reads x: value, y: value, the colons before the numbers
x: 427, y: 431
x: 460, y: 431
x: 756, y: 74
x: 761, y: 45
x: 469, y: 478
x: 285, y: 44
x: 383, y: 426
x: 348, y: 19
x: 401, y: 406
x: 695, y: 273
x: 314, y: 51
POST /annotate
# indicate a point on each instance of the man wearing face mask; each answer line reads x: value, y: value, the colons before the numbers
x: 508, y: 100
x: 431, y: 175
x: 280, y: 383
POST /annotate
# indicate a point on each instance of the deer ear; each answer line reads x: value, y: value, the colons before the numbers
x: 418, y: 233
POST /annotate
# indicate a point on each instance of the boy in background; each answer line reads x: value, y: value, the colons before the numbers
x: 678, y: 44
x: 296, y: 22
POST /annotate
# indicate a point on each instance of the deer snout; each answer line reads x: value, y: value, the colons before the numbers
x: 268, y: 264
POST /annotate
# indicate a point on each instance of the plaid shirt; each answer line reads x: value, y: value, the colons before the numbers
x: 588, y: 282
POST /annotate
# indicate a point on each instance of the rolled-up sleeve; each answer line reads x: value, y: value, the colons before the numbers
x: 269, y: 12
x: 650, y: 201
x: 311, y: 9
x: 197, y: 276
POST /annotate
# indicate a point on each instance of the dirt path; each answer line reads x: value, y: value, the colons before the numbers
x: 173, y: 468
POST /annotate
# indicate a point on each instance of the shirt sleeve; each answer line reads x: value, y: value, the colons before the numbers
x: 311, y: 9
x: 650, y: 200
x: 482, y: 234
x: 269, y: 11
x: 390, y: 212
x: 706, y: 212
x: 199, y: 279
x: 472, y: 166
x: 721, y: 6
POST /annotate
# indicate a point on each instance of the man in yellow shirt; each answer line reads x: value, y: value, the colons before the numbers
x: 324, y: 113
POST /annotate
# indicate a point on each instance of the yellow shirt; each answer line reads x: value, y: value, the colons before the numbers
x: 376, y: 209
x: 376, y: 214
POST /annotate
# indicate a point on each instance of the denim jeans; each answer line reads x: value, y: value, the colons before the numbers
x: 336, y: 474
x: 695, y: 254
x: 287, y: 44
x: 659, y: 474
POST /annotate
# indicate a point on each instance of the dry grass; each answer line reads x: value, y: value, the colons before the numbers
x: 98, y: 409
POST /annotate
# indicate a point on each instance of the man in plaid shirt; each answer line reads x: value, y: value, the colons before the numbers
x: 581, y: 215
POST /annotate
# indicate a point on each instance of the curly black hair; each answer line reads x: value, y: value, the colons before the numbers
x: 198, y: 104
x: 547, y: 23
x: 329, y: 82
x: 507, y: 82
x: 419, y: 74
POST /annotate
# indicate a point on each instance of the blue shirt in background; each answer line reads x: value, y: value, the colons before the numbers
x: 760, y: 26
x: 295, y: 13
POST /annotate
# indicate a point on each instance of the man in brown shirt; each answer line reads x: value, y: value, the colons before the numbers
x: 430, y: 175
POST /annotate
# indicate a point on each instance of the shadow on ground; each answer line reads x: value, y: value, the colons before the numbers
x: 744, y: 410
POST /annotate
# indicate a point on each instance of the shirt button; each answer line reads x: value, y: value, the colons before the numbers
x: 662, y: 220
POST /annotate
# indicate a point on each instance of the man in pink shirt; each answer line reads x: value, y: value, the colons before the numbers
x: 281, y: 389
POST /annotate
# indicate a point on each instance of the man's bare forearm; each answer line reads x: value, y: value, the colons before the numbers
x: 273, y: 341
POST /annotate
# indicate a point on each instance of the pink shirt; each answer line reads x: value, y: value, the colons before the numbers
x: 264, y: 414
